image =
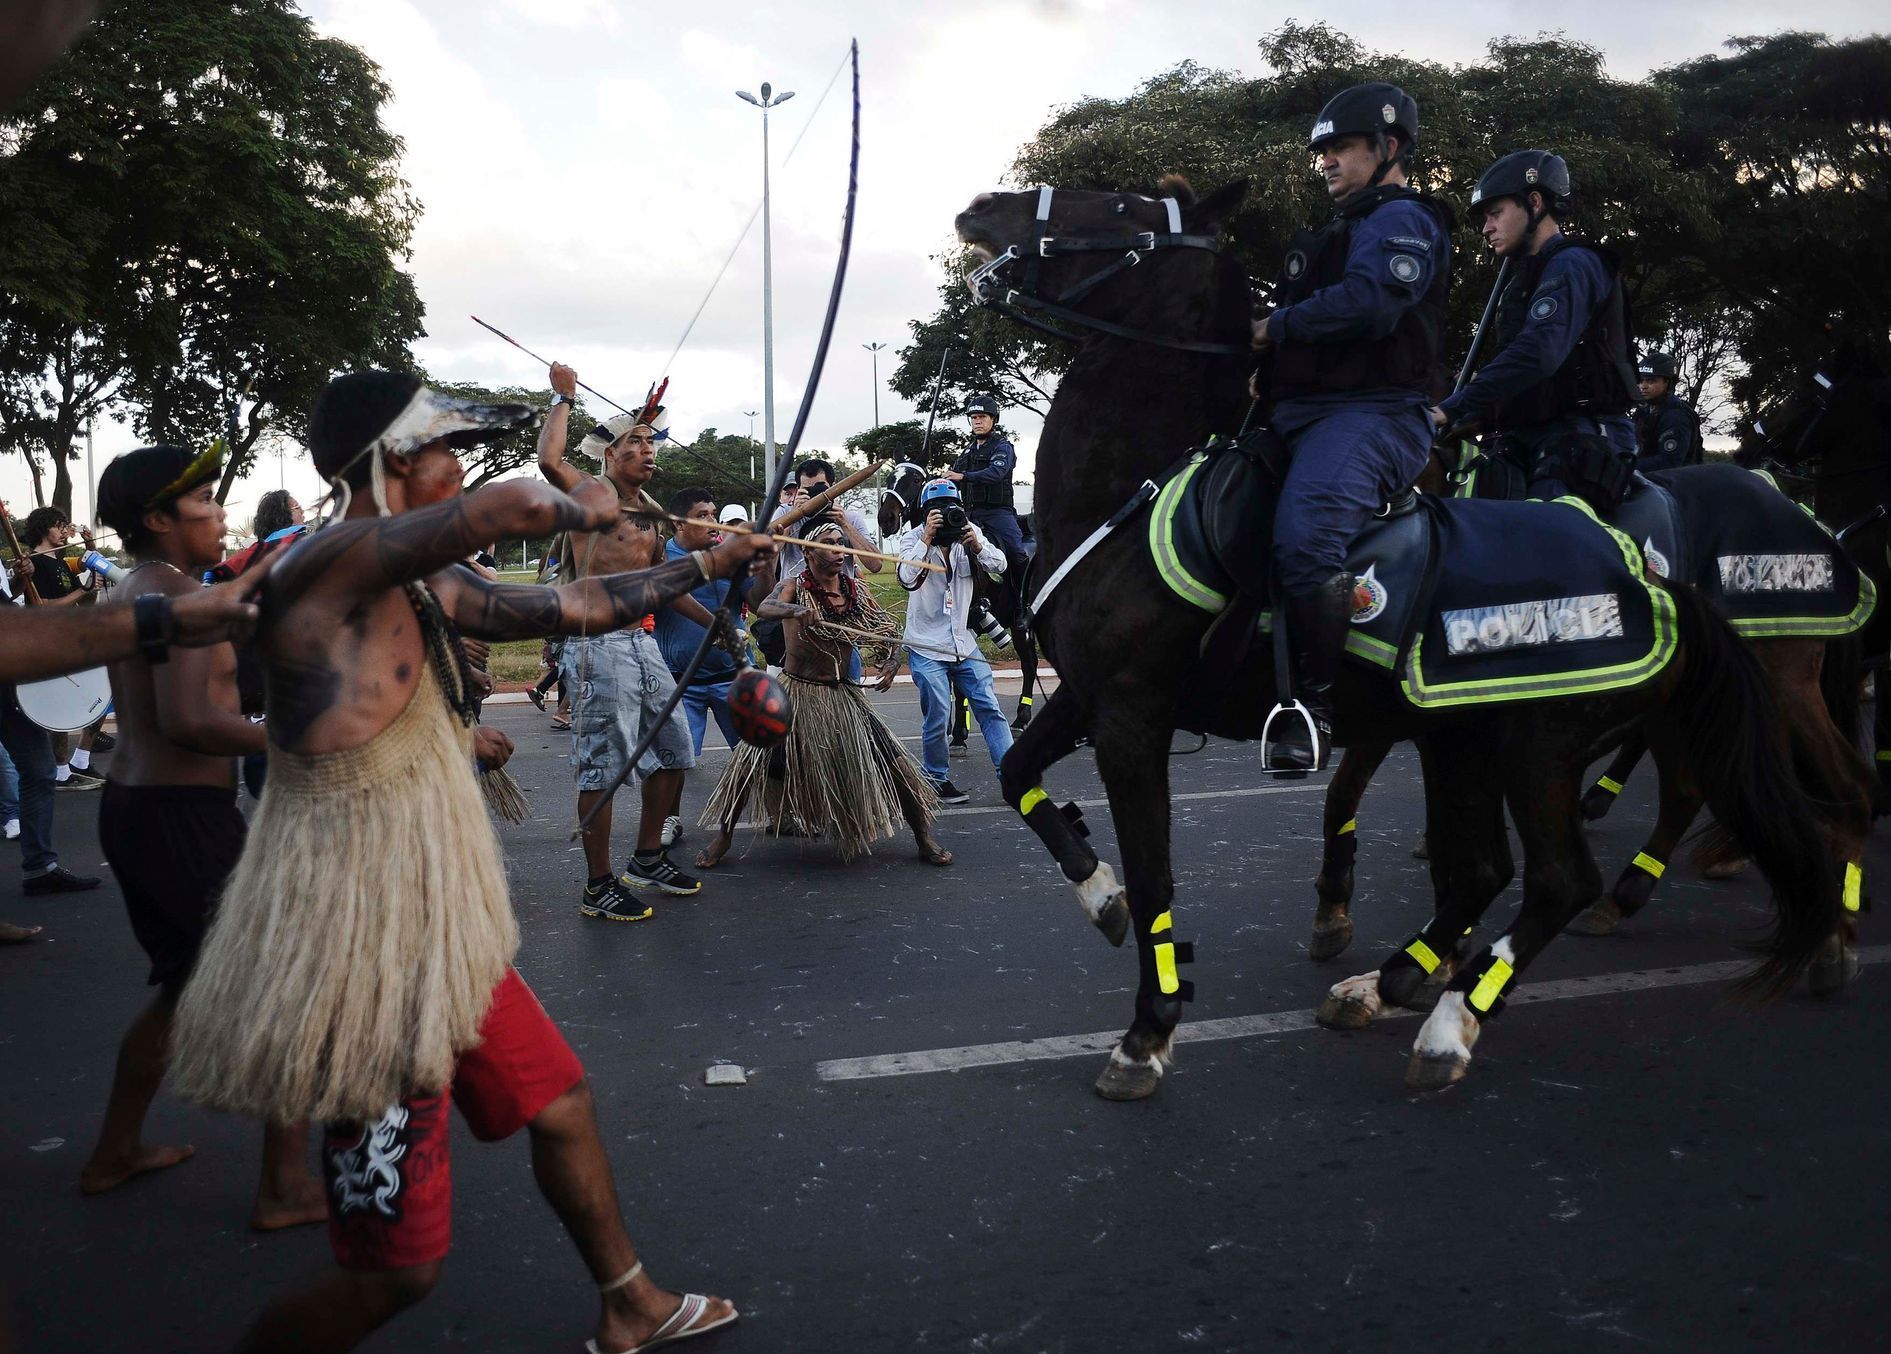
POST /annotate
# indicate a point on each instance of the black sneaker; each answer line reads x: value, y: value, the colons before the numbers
x: 657, y: 874
x: 79, y: 780
x: 612, y: 902
x: 103, y: 742
x: 58, y: 880
x: 537, y: 698
x: 950, y: 793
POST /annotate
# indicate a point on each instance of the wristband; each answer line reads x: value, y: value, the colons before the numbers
x: 151, y: 617
x: 702, y: 562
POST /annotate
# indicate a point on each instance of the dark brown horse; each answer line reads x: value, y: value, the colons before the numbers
x: 1161, y: 364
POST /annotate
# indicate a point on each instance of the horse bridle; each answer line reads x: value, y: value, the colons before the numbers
x: 899, y: 473
x: 993, y: 286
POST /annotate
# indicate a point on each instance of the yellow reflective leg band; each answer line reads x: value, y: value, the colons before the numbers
x: 1032, y: 798
x: 1884, y: 754
x: 1854, y: 886
x: 1644, y: 861
x: 1024, y: 700
x: 1348, y: 826
x: 1165, y: 969
x: 1491, y: 985
x: 1609, y: 783
x: 1161, y: 924
x: 1422, y: 952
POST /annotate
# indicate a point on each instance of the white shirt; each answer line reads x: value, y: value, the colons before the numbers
x: 937, y: 609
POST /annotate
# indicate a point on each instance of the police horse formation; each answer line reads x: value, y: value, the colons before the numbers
x: 1738, y: 723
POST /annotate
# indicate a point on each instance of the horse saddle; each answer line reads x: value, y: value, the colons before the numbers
x: 1462, y: 600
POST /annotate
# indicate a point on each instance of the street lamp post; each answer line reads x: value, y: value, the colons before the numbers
x: 768, y: 100
x: 751, y: 413
x: 874, y: 348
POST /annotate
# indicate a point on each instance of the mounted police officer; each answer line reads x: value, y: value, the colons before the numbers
x: 983, y: 473
x: 1556, y: 393
x: 1667, y: 430
x: 1351, y: 362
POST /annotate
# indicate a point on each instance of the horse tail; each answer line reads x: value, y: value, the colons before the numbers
x: 1734, y: 739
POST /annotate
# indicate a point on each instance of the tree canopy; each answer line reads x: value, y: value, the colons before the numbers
x: 1743, y: 190
x: 199, y: 212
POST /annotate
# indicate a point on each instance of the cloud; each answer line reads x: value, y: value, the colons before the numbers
x: 571, y: 14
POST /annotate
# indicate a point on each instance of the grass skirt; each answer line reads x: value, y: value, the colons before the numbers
x: 361, y: 935
x: 841, y: 772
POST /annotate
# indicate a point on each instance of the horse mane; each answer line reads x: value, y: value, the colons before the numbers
x: 1178, y: 187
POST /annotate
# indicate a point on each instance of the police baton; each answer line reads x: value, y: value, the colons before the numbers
x: 1483, y: 324
x: 933, y: 412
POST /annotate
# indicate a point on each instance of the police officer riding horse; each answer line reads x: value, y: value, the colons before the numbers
x: 1667, y: 430
x: 1350, y: 367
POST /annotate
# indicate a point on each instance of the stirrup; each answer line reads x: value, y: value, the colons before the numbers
x: 1290, y: 709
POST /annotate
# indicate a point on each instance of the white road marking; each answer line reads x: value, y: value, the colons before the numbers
x: 1278, y: 1022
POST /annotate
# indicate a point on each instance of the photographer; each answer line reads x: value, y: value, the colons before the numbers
x: 940, y: 649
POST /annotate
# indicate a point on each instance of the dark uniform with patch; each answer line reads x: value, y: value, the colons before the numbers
x: 1667, y: 430
x: 1359, y: 309
x: 988, y: 465
x: 1560, y: 376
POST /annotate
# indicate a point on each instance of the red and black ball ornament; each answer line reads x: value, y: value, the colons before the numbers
x: 759, y: 708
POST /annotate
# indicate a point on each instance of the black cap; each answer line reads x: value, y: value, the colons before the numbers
x: 150, y: 477
x: 982, y: 404
x: 1519, y: 174
x: 1366, y: 110
x: 1659, y: 365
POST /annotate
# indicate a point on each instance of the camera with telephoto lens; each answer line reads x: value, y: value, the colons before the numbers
x: 954, y: 522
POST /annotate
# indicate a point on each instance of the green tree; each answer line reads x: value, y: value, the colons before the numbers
x: 896, y: 442
x: 204, y: 208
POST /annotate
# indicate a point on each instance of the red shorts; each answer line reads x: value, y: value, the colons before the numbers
x: 390, y: 1183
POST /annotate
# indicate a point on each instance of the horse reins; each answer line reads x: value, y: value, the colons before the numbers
x: 992, y: 286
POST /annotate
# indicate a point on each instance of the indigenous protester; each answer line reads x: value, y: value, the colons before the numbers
x: 1350, y: 355
x: 1667, y: 430
x: 1556, y: 392
x: 940, y: 650
x: 168, y: 820
x: 45, y: 534
x: 618, y: 679
x: 359, y: 965
x: 679, y: 637
x: 842, y: 773
x: 812, y: 478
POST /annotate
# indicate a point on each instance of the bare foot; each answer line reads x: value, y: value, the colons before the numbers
x: 626, y: 1330
x: 302, y: 1204
x: 98, y: 1177
x: 17, y: 935
x: 711, y: 855
x: 932, y: 853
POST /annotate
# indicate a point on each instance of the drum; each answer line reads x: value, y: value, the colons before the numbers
x: 66, y: 704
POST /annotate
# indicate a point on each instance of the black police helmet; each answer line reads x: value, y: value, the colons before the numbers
x: 982, y: 404
x: 1658, y: 365
x: 1367, y: 110
x: 1519, y: 174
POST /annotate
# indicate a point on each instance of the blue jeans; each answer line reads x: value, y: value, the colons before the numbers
x: 9, y: 788
x: 934, y: 680
x: 1000, y: 526
x: 31, y: 749
x: 699, y: 700
x: 1345, y: 466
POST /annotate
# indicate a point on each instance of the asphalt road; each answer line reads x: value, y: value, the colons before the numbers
x: 1650, y: 1168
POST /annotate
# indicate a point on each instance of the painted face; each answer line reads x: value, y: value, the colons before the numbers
x: 825, y: 561
x: 197, y: 526
x: 434, y: 475
x: 982, y: 425
x: 698, y: 530
x: 633, y: 456
x: 1347, y: 163
x: 1506, y: 227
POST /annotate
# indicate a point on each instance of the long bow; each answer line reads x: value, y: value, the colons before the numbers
x: 782, y: 466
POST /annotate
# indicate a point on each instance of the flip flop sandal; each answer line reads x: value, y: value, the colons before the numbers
x: 684, y: 1322
x: 562, y: 725
x: 18, y: 935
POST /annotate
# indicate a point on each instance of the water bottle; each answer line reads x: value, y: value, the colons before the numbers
x: 106, y: 569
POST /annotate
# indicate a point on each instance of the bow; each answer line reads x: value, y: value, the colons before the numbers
x: 781, y: 468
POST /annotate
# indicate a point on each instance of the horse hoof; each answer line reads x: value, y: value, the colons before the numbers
x: 1600, y: 918
x: 1434, y: 1072
x: 1024, y: 718
x: 1422, y: 851
x: 1330, y: 939
x: 1113, y: 920
x: 1596, y: 804
x: 1727, y: 869
x: 1347, y: 1012
x: 1132, y: 1081
x: 1833, y: 974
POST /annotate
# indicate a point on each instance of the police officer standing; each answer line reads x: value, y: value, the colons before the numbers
x: 1557, y: 390
x: 983, y: 473
x: 1350, y: 359
x: 1667, y: 429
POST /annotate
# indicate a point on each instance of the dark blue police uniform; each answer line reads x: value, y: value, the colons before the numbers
x: 987, y: 466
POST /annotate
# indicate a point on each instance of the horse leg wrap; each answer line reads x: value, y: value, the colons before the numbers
x: 1416, y: 953
x: 1483, y: 985
x: 1853, y: 894
x: 1341, y: 850
x: 1060, y: 834
x: 1637, y: 883
x: 1169, y: 952
x: 1609, y: 783
x: 1074, y: 816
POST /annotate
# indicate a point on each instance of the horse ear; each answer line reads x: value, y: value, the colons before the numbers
x: 1198, y: 218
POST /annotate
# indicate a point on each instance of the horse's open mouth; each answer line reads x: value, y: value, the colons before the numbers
x: 982, y: 251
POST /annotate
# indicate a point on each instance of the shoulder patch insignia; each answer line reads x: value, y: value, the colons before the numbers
x: 1296, y: 264
x: 1653, y: 557
x: 1543, y: 308
x: 1404, y: 267
x: 1670, y: 442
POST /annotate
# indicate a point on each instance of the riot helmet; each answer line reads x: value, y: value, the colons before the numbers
x: 1656, y: 366
x: 1371, y: 109
x: 982, y: 404
x: 1519, y: 174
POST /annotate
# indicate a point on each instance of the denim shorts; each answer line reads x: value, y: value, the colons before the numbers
x: 620, y: 682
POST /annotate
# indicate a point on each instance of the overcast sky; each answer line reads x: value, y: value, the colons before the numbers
x: 585, y: 166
